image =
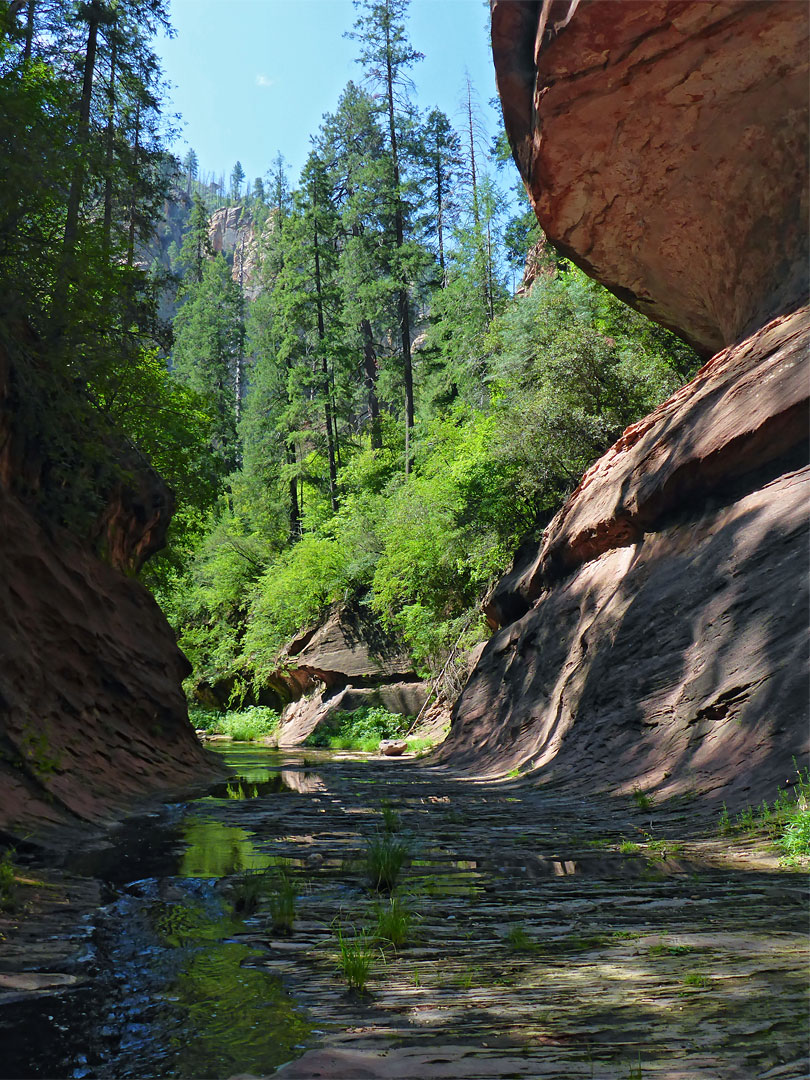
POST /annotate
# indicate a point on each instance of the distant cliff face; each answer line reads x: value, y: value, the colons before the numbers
x: 657, y: 636
x: 664, y: 146
x: 92, y: 713
x: 233, y: 232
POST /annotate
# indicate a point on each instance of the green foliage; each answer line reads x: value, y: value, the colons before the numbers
x: 384, y: 858
x: 244, y: 725
x: 643, y: 800
x: 394, y: 920
x: 360, y: 729
x: 355, y: 957
x: 8, y: 882
x: 519, y: 940
x: 786, y: 820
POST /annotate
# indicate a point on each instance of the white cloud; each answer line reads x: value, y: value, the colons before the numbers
x: 263, y: 80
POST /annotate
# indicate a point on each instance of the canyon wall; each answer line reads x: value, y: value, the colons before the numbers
x: 92, y: 715
x: 657, y: 637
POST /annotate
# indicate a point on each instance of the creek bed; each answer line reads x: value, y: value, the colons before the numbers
x: 538, y: 947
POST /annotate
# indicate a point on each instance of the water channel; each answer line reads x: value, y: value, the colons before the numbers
x: 543, y: 944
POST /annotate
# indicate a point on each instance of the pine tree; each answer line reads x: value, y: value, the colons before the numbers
x: 386, y: 55
x: 237, y: 179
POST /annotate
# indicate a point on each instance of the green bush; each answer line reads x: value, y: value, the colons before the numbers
x: 246, y: 725
x: 360, y: 729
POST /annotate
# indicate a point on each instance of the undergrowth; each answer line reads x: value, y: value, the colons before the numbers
x: 360, y: 729
x: 8, y: 882
x: 385, y: 857
x: 246, y: 725
x: 786, y: 821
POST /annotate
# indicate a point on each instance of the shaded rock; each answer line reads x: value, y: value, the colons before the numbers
x: 664, y: 148
x: 349, y: 647
x: 393, y: 747
x: 657, y: 635
x: 92, y: 714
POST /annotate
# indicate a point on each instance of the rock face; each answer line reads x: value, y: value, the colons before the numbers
x: 657, y: 636
x: 233, y: 231
x: 664, y: 147
x: 92, y: 715
x: 343, y: 664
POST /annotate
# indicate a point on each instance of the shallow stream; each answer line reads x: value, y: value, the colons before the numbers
x: 554, y: 933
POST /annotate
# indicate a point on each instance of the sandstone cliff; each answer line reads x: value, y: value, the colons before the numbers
x: 92, y: 715
x: 657, y: 636
x: 233, y: 232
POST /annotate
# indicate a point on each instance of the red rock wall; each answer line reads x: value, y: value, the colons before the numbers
x: 658, y: 635
x: 92, y: 714
x: 664, y: 145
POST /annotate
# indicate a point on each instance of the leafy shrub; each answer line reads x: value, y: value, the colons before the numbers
x: 360, y: 729
x: 247, y: 725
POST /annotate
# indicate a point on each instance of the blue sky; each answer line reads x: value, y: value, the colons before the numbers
x: 251, y: 78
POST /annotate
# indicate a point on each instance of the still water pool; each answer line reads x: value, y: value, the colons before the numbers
x: 169, y: 988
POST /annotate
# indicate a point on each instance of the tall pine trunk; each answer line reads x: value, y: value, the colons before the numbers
x: 71, y: 233
x: 110, y: 141
x: 327, y: 396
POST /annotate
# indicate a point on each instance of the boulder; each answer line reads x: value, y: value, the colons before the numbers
x: 664, y: 148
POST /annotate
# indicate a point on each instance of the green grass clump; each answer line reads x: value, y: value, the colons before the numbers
x: 360, y: 729
x: 274, y: 885
x: 519, y: 940
x: 355, y: 957
x: 393, y: 922
x: 628, y: 847
x: 246, y: 725
x: 8, y: 882
x: 786, y: 821
x: 391, y: 822
x: 384, y: 859
x: 642, y: 800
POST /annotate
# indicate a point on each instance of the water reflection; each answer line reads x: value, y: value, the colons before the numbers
x: 216, y: 850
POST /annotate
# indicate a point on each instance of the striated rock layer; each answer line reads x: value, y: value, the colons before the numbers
x: 664, y: 146
x: 658, y: 635
x: 92, y: 714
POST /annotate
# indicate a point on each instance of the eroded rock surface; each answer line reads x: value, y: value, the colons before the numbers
x: 657, y: 636
x: 664, y: 147
x: 92, y: 714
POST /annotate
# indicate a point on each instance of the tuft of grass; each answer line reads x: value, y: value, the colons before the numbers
x: 393, y: 922
x: 277, y: 886
x: 628, y: 847
x: 8, y: 882
x: 355, y: 957
x: 670, y: 950
x: 786, y: 820
x: 643, y: 800
x: 696, y: 979
x: 519, y: 940
x: 391, y: 822
x: 384, y: 859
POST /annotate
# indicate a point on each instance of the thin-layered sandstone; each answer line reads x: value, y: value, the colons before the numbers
x: 657, y: 637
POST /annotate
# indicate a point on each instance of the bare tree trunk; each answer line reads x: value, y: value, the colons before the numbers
x: 327, y: 397
x: 402, y: 295
x: 370, y: 368
x: 71, y: 233
x: 110, y: 140
x: 29, y: 30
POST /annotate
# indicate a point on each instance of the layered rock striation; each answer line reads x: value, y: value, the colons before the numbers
x: 664, y: 146
x: 92, y: 714
x: 658, y: 634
